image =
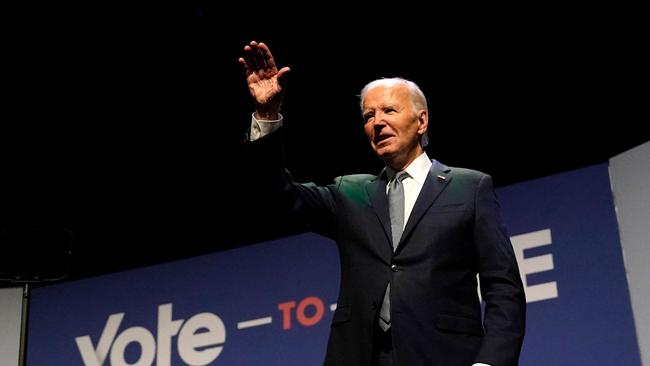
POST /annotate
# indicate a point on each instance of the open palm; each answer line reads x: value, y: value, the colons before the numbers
x: 262, y: 76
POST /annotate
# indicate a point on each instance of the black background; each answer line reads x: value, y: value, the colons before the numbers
x: 125, y: 124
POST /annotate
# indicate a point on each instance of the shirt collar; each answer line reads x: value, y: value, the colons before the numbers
x: 418, y: 169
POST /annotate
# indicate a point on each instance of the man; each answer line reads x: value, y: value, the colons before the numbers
x: 411, y: 239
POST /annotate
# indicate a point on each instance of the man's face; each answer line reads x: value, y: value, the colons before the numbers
x: 392, y: 124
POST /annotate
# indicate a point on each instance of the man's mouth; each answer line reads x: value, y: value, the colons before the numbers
x: 382, y: 138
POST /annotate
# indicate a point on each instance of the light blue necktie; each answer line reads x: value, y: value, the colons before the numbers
x: 396, y: 211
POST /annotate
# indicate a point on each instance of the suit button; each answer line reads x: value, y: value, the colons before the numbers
x: 374, y: 306
x: 393, y: 267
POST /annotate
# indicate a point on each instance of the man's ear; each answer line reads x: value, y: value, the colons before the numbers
x: 423, y: 121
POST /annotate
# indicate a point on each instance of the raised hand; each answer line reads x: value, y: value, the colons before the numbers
x: 263, y: 78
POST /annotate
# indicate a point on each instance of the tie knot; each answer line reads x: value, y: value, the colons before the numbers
x: 400, y: 176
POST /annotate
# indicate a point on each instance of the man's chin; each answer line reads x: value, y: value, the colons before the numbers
x: 385, y: 154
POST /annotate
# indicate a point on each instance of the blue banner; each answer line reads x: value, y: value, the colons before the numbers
x: 266, y: 304
x: 568, y: 249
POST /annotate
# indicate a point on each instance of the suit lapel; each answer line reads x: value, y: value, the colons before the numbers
x: 377, y: 195
x: 437, y: 179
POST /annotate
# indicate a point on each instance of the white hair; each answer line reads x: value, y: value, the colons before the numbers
x: 417, y: 96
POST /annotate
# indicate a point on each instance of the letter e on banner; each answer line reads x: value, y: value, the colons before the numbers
x: 542, y: 263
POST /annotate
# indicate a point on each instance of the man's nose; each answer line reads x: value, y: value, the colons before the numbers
x: 379, y: 125
x: 379, y: 120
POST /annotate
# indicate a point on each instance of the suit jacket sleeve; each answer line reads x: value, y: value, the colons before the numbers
x: 500, y: 282
x: 311, y: 205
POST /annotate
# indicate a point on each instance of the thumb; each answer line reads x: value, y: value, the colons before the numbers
x: 283, y: 71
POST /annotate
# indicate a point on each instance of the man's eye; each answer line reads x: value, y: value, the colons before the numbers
x: 367, y: 118
x: 390, y: 110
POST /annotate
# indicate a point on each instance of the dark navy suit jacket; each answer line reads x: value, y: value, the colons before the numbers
x: 453, y: 233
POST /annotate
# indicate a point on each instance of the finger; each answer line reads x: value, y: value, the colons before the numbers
x: 243, y: 63
x: 258, y: 57
x: 250, y: 60
x: 268, y: 57
x: 255, y: 56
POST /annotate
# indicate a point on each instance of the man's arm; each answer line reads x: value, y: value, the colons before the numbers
x: 311, y: 204
x: 501, y: 286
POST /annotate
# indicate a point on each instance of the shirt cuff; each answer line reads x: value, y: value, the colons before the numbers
x: 262, y: 127
x: 480, y: 364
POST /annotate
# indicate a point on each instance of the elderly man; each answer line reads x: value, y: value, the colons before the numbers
x: 411, y: 239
